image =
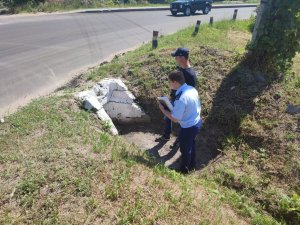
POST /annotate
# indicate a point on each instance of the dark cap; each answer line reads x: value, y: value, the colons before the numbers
x: 180, y: 52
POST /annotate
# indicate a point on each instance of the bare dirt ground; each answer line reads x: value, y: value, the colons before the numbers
x: 144, y: 135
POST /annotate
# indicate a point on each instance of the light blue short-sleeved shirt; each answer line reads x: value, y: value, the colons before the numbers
x: 187, y: 107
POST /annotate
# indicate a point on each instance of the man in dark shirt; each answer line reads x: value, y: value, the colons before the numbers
x: 181, y: 56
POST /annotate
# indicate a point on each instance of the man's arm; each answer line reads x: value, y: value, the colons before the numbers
x: 167, y: 113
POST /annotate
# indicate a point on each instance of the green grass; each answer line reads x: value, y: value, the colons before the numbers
x: 53, y: 173
x: 58, y: 164
x: 292, y: 82
x: 58, y: 179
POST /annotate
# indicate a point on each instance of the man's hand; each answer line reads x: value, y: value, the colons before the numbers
x: 166, y: 112
x: 161, y: 107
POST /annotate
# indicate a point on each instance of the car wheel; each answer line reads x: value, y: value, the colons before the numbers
x: 187, y: 11
x: 206, y: 9
x: 174, y: 13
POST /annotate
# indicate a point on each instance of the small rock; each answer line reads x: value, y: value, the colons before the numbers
x: 291, y: 109
x: 233, y: 87
x: 255, y: 100
x: 2, y: 120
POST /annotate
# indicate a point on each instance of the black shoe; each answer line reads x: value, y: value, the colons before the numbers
x: 186, y: 170
x: 162, y: 138
x: 183, y: 170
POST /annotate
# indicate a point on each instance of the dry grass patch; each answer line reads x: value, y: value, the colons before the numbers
x: 296, y: 66
x: 239, y: 38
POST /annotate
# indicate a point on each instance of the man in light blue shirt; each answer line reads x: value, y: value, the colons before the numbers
x: 186, y: 112
x: 181, y: 56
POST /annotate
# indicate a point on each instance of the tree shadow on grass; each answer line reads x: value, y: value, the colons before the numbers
x: 235, y: 98
x: 154, y: 152
x: 160, y: 151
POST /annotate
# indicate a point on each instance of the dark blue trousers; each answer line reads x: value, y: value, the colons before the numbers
x: 168, y: 122
x: 187, y: 146
x: 168, y: 127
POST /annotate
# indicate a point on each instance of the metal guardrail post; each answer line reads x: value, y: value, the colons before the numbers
x: 235, y: 14
x: 155, y: 39
x: 197, y: 27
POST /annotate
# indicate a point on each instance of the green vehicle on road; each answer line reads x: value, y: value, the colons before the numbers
x: 189, y: 7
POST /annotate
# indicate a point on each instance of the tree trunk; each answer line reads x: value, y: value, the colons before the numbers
x: 263, y: 8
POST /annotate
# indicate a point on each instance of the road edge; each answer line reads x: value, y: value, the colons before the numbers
x: 111, y: 10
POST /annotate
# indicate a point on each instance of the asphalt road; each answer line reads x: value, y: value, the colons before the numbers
x: 41, y: 53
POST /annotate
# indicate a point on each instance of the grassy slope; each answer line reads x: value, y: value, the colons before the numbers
x: 58, y: 164
x: 261, y: 151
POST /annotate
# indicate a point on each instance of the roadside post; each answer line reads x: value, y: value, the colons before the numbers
x: 211, y: 21
x: 235, y: 14
x: 197, y: 27
x: 154, y: 40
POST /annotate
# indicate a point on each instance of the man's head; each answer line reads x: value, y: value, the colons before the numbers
x: 176, y: 79
x: 182, y: 52
x: 181, y: 56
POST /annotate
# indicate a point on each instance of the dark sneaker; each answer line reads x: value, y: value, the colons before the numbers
x: 183, y: 170
x: 162, y: 138
x: 186, y: 170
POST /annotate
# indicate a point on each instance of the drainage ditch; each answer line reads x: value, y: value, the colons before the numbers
x: 114, y: 104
